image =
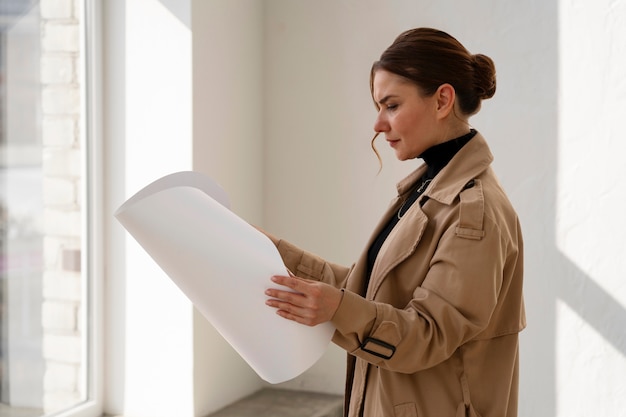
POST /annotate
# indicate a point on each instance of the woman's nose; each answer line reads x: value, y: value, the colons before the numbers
x: 380, y: 124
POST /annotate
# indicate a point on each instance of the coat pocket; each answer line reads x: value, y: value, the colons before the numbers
x: 405, y: 410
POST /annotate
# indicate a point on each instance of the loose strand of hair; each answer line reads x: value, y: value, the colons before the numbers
x: 380, y: 161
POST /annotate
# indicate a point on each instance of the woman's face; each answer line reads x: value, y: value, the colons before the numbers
x: 408, y: 120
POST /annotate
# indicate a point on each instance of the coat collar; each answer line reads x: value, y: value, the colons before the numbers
x: 471, y: 160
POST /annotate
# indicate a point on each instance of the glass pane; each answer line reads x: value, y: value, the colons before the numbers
x: 42, y: 334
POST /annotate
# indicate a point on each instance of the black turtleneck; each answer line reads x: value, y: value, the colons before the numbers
x: 436, y: 158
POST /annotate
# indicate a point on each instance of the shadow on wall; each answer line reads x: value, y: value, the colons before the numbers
x: 550, y: 369
x: 593, y: 304
x: 180, y: 9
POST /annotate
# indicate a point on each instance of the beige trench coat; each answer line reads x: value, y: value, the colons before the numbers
x: 436, y: 334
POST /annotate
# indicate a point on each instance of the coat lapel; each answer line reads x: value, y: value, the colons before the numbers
x: 445, y: 187
x: 403, y: 240
x: 399, y: 245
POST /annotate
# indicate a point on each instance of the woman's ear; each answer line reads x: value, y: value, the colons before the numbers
x: 446, y: 96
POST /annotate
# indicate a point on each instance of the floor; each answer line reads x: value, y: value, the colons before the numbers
x: 264, y: 403
x: 284, y: 403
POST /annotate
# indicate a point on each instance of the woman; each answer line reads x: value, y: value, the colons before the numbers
x: 430, y: 313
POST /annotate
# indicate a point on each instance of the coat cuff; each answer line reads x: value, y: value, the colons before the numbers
x: 345, y: 318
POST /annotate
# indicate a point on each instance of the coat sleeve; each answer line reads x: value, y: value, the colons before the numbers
x: 453, y: 305
x: 310, y: 266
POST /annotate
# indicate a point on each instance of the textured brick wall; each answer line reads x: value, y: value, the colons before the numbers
x: 62, y: 154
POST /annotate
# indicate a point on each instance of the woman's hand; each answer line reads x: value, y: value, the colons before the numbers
x: 312, y: 302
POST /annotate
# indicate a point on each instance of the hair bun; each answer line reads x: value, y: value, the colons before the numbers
x: 484, y: 76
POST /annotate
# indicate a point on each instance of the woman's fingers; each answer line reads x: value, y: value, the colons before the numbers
x: 293, y: 305
x: 292, y: 281
x: 309, y: 302
x: 291, y: 312
x: 287, y: 302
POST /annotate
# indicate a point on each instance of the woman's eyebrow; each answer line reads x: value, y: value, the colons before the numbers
x: 386, y: 98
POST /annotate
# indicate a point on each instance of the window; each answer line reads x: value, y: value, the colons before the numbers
x: 46, y: 284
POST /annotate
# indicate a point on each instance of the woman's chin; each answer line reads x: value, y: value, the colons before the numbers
x: 402, y: 156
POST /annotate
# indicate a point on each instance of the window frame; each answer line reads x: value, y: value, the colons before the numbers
x: 91, y: 44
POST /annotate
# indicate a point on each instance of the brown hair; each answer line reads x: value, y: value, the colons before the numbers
x: 429, y: 58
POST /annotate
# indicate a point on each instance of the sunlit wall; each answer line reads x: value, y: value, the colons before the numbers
x: 148, y: 133
x: 590, y: 353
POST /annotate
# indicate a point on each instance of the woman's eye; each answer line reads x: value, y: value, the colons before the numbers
x: 391, y: 107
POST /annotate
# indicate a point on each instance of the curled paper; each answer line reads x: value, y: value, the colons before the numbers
x: 223, y: 265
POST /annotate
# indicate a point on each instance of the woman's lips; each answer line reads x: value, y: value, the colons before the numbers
x: 393, y: 142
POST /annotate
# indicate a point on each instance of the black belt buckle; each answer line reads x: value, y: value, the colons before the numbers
x: 385, y: 345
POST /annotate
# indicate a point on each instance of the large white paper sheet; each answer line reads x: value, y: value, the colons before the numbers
x: 223, y: 265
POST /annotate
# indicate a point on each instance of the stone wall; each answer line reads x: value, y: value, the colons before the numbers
x: 62, y: 311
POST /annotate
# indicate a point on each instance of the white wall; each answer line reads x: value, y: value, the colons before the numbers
x: 228, y: 146
x: 287, y: 134
x: 147, y: 133
x: 590, y: 339
x: 162, y: 357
